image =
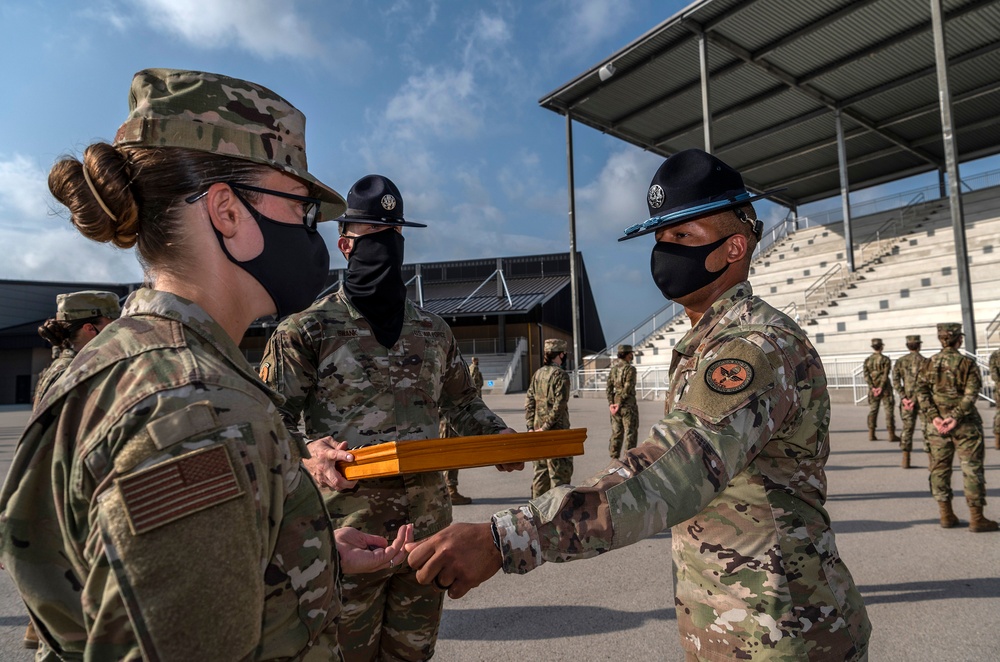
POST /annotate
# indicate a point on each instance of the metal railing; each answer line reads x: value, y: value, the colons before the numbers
x: 881, y: 242
x: 847, y: 372
x: 992, y: 328
x: 825, y: 289
x: 472, y: 346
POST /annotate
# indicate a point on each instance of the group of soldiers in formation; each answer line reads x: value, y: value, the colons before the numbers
x: 940, y: 393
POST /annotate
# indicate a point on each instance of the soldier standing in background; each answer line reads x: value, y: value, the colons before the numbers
x: 156, y: 508
x: 451, y: 476
x: 546, y: 407
x: 995, y: 376
x: 904, y: 376
x: 736, y: 466
x: 365, y: 365
x: 80, y: 316
x: 878, y: 371
x: 621, y: 402
x: 948, y: 388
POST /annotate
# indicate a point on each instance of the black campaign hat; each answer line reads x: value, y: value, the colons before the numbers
x: 375, y: 200
x: 691, y: 184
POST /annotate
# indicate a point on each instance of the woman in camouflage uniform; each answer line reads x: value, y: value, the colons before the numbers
x: 80, y: 316
x: 546, y: 407
x: 155, y: 506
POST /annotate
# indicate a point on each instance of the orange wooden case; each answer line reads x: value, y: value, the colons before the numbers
x: 405, y: 457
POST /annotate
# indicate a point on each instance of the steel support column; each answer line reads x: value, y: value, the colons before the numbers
x: 951, y: 162
x: 706, y: 113
x: 845, y: 191
x: 573, y: 289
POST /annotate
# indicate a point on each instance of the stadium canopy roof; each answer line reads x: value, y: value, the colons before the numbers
x: 778, y: 70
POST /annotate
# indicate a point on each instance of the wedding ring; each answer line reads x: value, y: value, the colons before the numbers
x: 392, y: 564
x: 438, y: 584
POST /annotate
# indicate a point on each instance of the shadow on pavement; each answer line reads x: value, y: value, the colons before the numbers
x: 873, y: 525
x: 982, y: 587
x: 542, y: 622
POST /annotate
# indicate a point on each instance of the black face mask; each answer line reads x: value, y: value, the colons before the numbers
x: 285, y: 244
x: 375, y: 283
x: 679, y: 270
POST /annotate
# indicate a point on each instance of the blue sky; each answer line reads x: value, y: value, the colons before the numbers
x: 442, y: 97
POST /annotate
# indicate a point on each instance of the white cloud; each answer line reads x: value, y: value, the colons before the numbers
x: 617, y: 197
x: 584, y: 25
x: 438, y: 101
x: 23, y: 188
x: 268, y: 29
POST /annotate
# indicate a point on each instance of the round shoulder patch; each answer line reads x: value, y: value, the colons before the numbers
x: 265, y: 369
x: 729, y: 375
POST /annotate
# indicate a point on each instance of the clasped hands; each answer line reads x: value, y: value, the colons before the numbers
x: 908, y: 404
x: 876, y: 391
x: 944, y: 425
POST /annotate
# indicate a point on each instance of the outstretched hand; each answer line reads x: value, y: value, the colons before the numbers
x: 457, y: 559
x: 322, y: 466
x: 363, y: 552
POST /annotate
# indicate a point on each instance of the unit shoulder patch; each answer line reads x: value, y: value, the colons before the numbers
x: 729, y: 375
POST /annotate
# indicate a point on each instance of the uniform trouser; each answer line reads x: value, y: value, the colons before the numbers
x: 996, y: 423
x: 451, y: 478
x: 909, y: 419
x: 388, y: 615
x: 624, y: 427
x: 873, y: 407
x: 967, y: 441
x: 551, y: 473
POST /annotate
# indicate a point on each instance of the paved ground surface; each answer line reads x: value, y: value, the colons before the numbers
x: 932, y: 594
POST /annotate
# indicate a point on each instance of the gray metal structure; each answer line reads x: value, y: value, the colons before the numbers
x: 781, y: 73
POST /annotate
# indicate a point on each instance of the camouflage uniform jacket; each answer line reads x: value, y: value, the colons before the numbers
x: 949, y: 386
x: 737, y: 469
x: 878, y: 370
x: 53, y: 372
x: 546, y: 406
x: 621, y: 384
x: 336, y: 376
x: 477, y: 379
x: 995, y: 368
x: 157, y: 508
x: 905, y: 372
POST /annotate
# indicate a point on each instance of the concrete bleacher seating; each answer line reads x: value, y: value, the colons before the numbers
x: 907, y: 290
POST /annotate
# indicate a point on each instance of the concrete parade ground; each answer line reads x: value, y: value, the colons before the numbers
x: 932, y: 594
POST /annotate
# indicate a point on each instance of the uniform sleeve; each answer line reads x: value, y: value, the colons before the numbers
x: 710, y: 436
x: 897, y: 378
x: 559, y: 392
x: 465, y: 410
x: 290, y: 367
x: 886, y: 374
x: 995, y: 368
x: 628, y: 383
x: 609, y: 390
x: 925, y: 384
x: 529, y: 404
x: 973, y: 384
x: 194, y: 505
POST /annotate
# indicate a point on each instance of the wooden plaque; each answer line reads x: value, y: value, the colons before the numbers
x: 405, y: 457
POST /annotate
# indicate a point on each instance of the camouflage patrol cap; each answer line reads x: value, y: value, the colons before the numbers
x: 87, y: 304
x: 876, y: 342
x: 221, y: 115
x: 913, y: 339
x: 555, y: 345
x: 949, y: 331
x: 624, y: 349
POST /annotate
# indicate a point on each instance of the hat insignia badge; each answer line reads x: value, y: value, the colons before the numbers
x: 655, y: 196
x: 388, y: 202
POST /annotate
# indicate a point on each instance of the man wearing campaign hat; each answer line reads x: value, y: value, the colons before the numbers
x: 622, y: 404
x: 364, y: 365
x: 80, y: 316
x: 546, y: 407
x: 948, y: 388
x: 736, y: 467
x: 878, y: 372
x: 904, y: 376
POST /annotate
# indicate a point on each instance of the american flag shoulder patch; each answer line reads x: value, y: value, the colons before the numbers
x: 174, y: 489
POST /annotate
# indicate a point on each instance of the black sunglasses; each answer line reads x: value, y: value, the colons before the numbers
x: 310, y: 206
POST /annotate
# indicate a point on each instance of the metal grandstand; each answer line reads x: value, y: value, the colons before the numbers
x: 820, y: 97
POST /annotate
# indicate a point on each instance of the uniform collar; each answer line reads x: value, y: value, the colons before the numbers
x: 712, y: 317
x: 147, y: 302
